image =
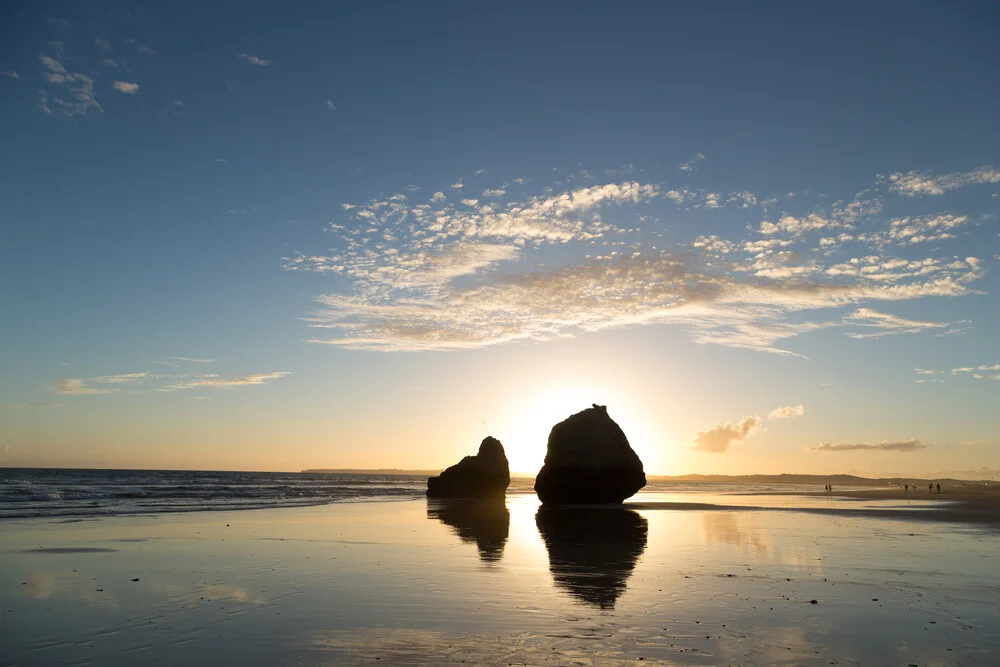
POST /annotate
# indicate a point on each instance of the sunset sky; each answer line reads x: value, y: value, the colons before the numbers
x: 299, y: 235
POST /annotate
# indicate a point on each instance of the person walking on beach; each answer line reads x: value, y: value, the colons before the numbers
x: 939, y: 487
x: 906, y: 487
x: 930, y: 488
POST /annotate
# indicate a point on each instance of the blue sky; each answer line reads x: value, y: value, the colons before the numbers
x: 325, y: 235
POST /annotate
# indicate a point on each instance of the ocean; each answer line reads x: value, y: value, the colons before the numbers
x: 54, y: 492
x: 58, y: 492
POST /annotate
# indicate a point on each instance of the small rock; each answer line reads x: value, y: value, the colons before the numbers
x: 484, y: 475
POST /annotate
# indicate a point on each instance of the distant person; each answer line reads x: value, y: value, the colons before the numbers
x: 930, y: 488
x: 906, y: 487
x: 939, y: 487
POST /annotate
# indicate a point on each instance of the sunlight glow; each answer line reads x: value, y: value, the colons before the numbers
x: 526, y: 435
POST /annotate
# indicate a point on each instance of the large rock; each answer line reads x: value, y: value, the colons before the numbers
x: 485, y: 475
x: 589, y: 461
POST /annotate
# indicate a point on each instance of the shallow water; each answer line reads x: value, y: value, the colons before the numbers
x: 405, y: 582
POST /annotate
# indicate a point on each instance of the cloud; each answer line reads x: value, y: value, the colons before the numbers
x: 44, y: 405
x: 126, y: 87
x: 78, y: 386
x: 10, y: 75
x: 440, y: 274
x: 141, y: 48
x: 329, y: 106
x: 193, y: 360
x: 921, y: 229
x: 52, y: 64
x: 75, y: 91
x: 920, y: 184
x: 254, y: 60
x: 889, y: 325
x: 231, y: 383
x: 910, y: 445
x: 719, y: 438
x: 144, y: 381
x: 789, y: 412
x: 108, y: 62
x: 104, y: 44
x: 495, y: 192
x: 981, y: 372
x: 793, y: 226
x: 692, y: 164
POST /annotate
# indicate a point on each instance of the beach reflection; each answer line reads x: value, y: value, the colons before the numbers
x: 483, y: 522
x: 728, y: 528
x: 592, y: 552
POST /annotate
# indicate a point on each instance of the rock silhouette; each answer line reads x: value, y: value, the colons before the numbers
x: 485, y: 475
x: 592, y: 551
x: 589, y: 461
x: 485, y: 522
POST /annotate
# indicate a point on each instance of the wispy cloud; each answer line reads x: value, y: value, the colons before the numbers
x: 102, y: 43
x: 889, y: 325
x: 228, y: 383
x: 43, y: 405
x: 254, y: 60
x: 922, y: 183
x: 156, y: 382
x: 175, y: 362
x: 126, y: 87
x: 789, y: 412
x: 330, y: 106
x: 719, y: 438
x: 78, y: 386
x: 910, y: 445
x: 141, y: 48
x: 10, y: 75
x: 981, y: 372
x: 692, y: 164
x: 74, y: 94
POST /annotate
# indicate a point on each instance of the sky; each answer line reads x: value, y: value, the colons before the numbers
x: 278, y: 236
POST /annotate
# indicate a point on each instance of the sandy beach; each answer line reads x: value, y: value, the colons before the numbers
x: 784, y: 579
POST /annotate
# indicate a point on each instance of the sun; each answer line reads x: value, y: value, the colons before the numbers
x: 525, y: 432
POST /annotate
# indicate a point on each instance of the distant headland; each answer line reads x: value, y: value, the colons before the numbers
x: 372, y: 471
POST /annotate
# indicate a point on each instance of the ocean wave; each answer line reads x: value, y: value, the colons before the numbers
x: 65, y: 493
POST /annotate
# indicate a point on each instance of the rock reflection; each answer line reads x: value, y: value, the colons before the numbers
x: 592, y: 552
x: 483, y: 522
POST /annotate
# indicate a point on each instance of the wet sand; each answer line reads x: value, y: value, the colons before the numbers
x: 806, y: 579
x: 979, y: 509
